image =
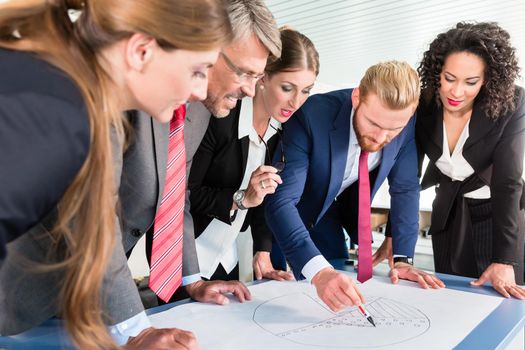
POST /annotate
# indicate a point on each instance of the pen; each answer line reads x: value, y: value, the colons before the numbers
x: 366, y: 314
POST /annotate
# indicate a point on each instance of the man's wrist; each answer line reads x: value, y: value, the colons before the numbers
x: 318, y: 274
x: 403, y: 259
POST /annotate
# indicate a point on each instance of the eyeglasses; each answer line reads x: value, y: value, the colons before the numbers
x: 241, y: 74
x: 279, y: 165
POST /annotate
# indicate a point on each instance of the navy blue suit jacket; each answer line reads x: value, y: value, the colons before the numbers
x: 301, y: 213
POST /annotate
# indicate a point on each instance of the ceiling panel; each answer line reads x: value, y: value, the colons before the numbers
x: 352, y: 35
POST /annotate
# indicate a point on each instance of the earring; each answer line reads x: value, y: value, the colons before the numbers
x: 261, y: 87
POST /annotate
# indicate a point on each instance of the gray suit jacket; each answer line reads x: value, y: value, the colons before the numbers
x: 28, y: 297
x: 144, y: 171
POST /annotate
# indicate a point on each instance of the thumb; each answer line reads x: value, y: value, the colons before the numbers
x: 391, y: 261
x: 376, y: 259
x: 257, y: 271
x: 219, y: 299
x: 394, y: 276
x: 480, y: 281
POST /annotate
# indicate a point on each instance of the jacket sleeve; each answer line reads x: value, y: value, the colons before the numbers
x: 507, y: 187
x: 44, y: 141
x: 282, y: 215
x: 404, y: 192
x: 261, y: 234
x: 208, y: 200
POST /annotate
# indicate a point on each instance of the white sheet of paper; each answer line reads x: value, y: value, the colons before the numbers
x: 289, y: 315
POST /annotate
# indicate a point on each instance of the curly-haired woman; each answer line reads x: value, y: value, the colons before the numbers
x: 471, y: 125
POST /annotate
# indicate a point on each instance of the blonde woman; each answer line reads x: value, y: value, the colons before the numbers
x: 63, y: 87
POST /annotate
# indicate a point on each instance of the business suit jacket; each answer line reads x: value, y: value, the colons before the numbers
x: 144, y: 173
x: 217, y: 172
x: 303, y: 212
x: 28, y: 298
x: 495, y: 150
x: 44, y: 140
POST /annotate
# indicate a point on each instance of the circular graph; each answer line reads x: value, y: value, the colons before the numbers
x: 316, y: 325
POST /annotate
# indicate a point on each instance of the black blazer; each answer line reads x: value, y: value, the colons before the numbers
x: 495, y: 149
x: 44, y: 140
x: 217, y: 172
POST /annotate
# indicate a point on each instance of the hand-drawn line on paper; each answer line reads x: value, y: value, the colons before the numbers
x: 303, y: 319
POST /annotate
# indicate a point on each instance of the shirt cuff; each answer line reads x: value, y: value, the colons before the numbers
x: 312, y: 267
x: 186, y: 280
x: 129, y: 328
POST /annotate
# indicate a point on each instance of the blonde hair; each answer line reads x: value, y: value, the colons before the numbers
x: 395, y: 83
x: 86, y: 212
x: 249, y: 17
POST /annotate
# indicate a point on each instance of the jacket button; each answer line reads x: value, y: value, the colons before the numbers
x: 136, y: 232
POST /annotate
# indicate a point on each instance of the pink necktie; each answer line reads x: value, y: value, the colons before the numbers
x: 364, y: 232
x: 166, y: 251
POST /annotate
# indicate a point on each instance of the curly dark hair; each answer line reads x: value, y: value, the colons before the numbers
x: 486, y: 40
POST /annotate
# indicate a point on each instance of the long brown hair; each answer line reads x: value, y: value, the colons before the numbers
x: 298, y: 52
x: 86, y: 213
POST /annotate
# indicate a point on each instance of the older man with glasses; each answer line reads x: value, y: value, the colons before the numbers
x: 233, y: 76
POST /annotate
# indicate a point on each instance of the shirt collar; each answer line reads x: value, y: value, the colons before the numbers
x: 245, y: 117
x: 353, y: 136
x: 246, y: 122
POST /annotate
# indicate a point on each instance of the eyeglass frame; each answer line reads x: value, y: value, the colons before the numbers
x: 279, y: 165
x: 239, y: 72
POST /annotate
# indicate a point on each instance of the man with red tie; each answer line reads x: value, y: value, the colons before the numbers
x: 155, y: 170
x: 339, y: 148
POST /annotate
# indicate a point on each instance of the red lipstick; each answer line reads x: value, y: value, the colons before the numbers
x: 453, y: 103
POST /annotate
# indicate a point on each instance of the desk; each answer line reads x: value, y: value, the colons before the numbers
x: 497, y: 331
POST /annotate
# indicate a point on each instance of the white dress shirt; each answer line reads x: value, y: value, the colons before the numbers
x: 456, y: 166
x: 351, y: 174
x: 129, y: 328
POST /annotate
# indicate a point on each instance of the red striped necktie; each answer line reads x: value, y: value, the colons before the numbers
x: 166, y: 252
x: 364, y: 232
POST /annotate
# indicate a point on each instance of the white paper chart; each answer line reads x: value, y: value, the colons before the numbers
x: 289, y: 315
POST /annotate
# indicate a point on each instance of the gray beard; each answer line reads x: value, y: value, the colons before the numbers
x: 212, y: 104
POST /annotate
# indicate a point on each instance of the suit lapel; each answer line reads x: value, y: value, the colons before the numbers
x: 432, y: 124
x: 161, y: 134
x: 339, y: 139
x: 245, y: 145
x: 479, y: 126
x: 387, y: 160
x: 245, y: 140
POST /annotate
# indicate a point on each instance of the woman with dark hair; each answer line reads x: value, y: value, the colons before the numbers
x: 226, y: 200
x: 471, y: 125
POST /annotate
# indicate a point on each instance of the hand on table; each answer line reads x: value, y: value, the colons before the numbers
x: 501, y: 276
x: 162, y: 339
x: 213, y: 291
x: 263, y: 268
x: 384, y: 252
x: 336, y: 289
x: 408, y: 272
